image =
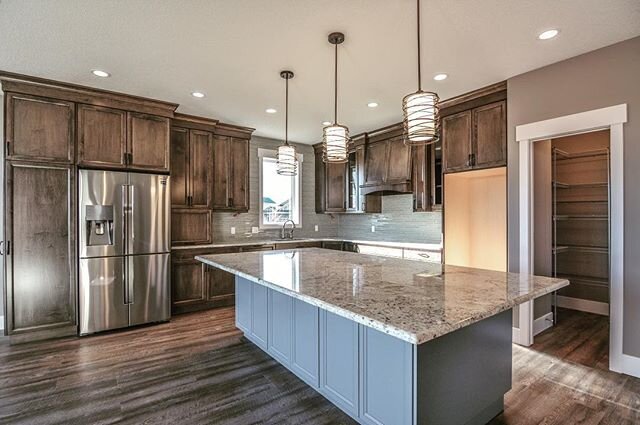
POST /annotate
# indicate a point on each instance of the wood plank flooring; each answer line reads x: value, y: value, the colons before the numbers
x: 199, y: 369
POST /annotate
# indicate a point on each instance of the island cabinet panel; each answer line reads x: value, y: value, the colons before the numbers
x: 39, y: 250
x: 305, y: 356
x: 259, y: 315
x: 102, y: 136
x: 39, y: 129
x: 148, y: 142
x: 339, y: 361
x: 244, y: 305
x: 280, y: 326
x: 386, y: 387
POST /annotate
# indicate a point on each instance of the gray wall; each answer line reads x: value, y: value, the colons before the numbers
x: 598, y: 79
x: 222, y: 222
x: 396, y: 223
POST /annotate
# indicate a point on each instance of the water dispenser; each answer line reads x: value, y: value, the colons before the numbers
x: 99, y: 222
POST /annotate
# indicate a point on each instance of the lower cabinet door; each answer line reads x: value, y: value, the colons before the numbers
x: 259, y: 304
x: 305, y: 355
x: 280, y: 320
x: 339, y: 361
x: 386, y: 379
x: 243, y: 304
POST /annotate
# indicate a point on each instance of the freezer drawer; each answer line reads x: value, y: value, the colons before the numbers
x: 148, y: 214
x: 149, y: 288
x: 102, y: 295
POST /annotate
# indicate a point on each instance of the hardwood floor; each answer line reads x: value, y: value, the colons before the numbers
x: 199, y: 369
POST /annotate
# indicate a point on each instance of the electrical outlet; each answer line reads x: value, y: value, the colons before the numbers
x: 373, y: 229
x: 254, y: 229
x: 316, y: 228
x: 233, y: 230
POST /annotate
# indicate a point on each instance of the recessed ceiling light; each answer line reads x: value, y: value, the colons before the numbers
x: 197, y: 94
x: 100, y: 73
x: 546, y: 35
x: 270, y: 111
x: 372, y: 105
x: 440, y: 77
x: 326, y: 122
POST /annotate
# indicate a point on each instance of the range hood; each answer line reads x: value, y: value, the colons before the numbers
x: 387, y: 168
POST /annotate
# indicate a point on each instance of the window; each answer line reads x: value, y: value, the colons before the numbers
x: 279, y: 195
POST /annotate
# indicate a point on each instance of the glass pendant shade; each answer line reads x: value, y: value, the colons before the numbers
x: 335, y: 143
x: 286, y: 161
x: 421, y: 118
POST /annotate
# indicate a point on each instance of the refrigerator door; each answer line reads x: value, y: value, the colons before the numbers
x: 148, y: 214
x: 101, y: 219
x: 148, y: 288
x: 102, y: 295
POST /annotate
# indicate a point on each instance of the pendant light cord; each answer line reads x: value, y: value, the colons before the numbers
x: 419, y: 68
x: 335, y: 88
x: 286, y: 112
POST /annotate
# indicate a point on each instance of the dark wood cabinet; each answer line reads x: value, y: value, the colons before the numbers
x: 191, y: 168
x: 196, y: 286
x: 456, y: 141
x: 475, y: 138
x: 190, y: 226
x: 375, y: 163
x: 102, y: 136
x: 366, y: 203
x: 422, y: 180
x: 490, y: 135
x: 230, y: 174
x: 336, y: 187
x: 40, y: 249
x: 387, y: 162
x: 148, y: 142
x: 39, y: 129
x: 398, y: 162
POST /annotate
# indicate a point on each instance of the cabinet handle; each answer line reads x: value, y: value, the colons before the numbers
x: 473, y: 159
x: 469, y: 160
x: 230, y: 201
x: 8, y: 148
x: 7, y: 248
x: 130, y: 161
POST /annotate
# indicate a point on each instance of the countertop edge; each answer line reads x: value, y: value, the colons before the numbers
x: 404, y: 335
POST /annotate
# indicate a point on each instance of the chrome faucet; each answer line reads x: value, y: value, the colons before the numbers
x: 283, y: 233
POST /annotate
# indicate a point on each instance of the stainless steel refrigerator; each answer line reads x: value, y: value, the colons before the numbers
x: 124, y: 246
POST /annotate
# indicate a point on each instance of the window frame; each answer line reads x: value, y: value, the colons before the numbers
x: 272, y: 154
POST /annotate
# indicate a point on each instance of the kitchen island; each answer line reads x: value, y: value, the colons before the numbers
x: 389, y: 341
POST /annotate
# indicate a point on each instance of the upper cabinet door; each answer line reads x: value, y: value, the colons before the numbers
x: 179, y: 167
x: 375, y: 164
x: 336, y: 189
x: 221, y: 172
x: 422, y: 174
x: 239, y: 189
x: 148, y: 142
x: 201, y: 168
x: 399, y: 162
x: 102, y: 136
x: 490, y: 136
x: 39, y: 129
x: 456, y: 141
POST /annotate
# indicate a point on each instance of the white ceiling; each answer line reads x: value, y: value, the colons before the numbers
x: 233, y: 50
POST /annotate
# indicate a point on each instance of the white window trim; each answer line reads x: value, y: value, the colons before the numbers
x: 611, y: 118
x: 270, y: 153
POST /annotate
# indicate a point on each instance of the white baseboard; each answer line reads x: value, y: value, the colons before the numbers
x: 1, y: 323
x: 630, y: 365
x: 515, y: 335
x: 543, y: 323
x: 583, y: 305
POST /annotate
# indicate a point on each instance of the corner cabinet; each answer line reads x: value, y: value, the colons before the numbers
x: 230, y: 173
x: 475, y: 138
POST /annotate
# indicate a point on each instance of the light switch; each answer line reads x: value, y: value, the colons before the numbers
x: 233, y: 230
x: 316, y: 228
x: 373, y: 229
x: 255, y: 229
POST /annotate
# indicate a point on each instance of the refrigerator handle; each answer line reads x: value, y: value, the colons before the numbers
x: 125, y: 205
x: 130, y: 279
x: 130, y: 211
x: 125, y: 279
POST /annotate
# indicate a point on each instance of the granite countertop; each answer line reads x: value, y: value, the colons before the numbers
x: 411, y: 300
x: 407, y: 245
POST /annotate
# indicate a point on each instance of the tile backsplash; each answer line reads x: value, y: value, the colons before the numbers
x: 396, y: 223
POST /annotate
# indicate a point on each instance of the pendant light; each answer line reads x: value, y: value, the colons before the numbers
x: 335, y: 137
x: 421, y: 110
x: 286, y: 160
